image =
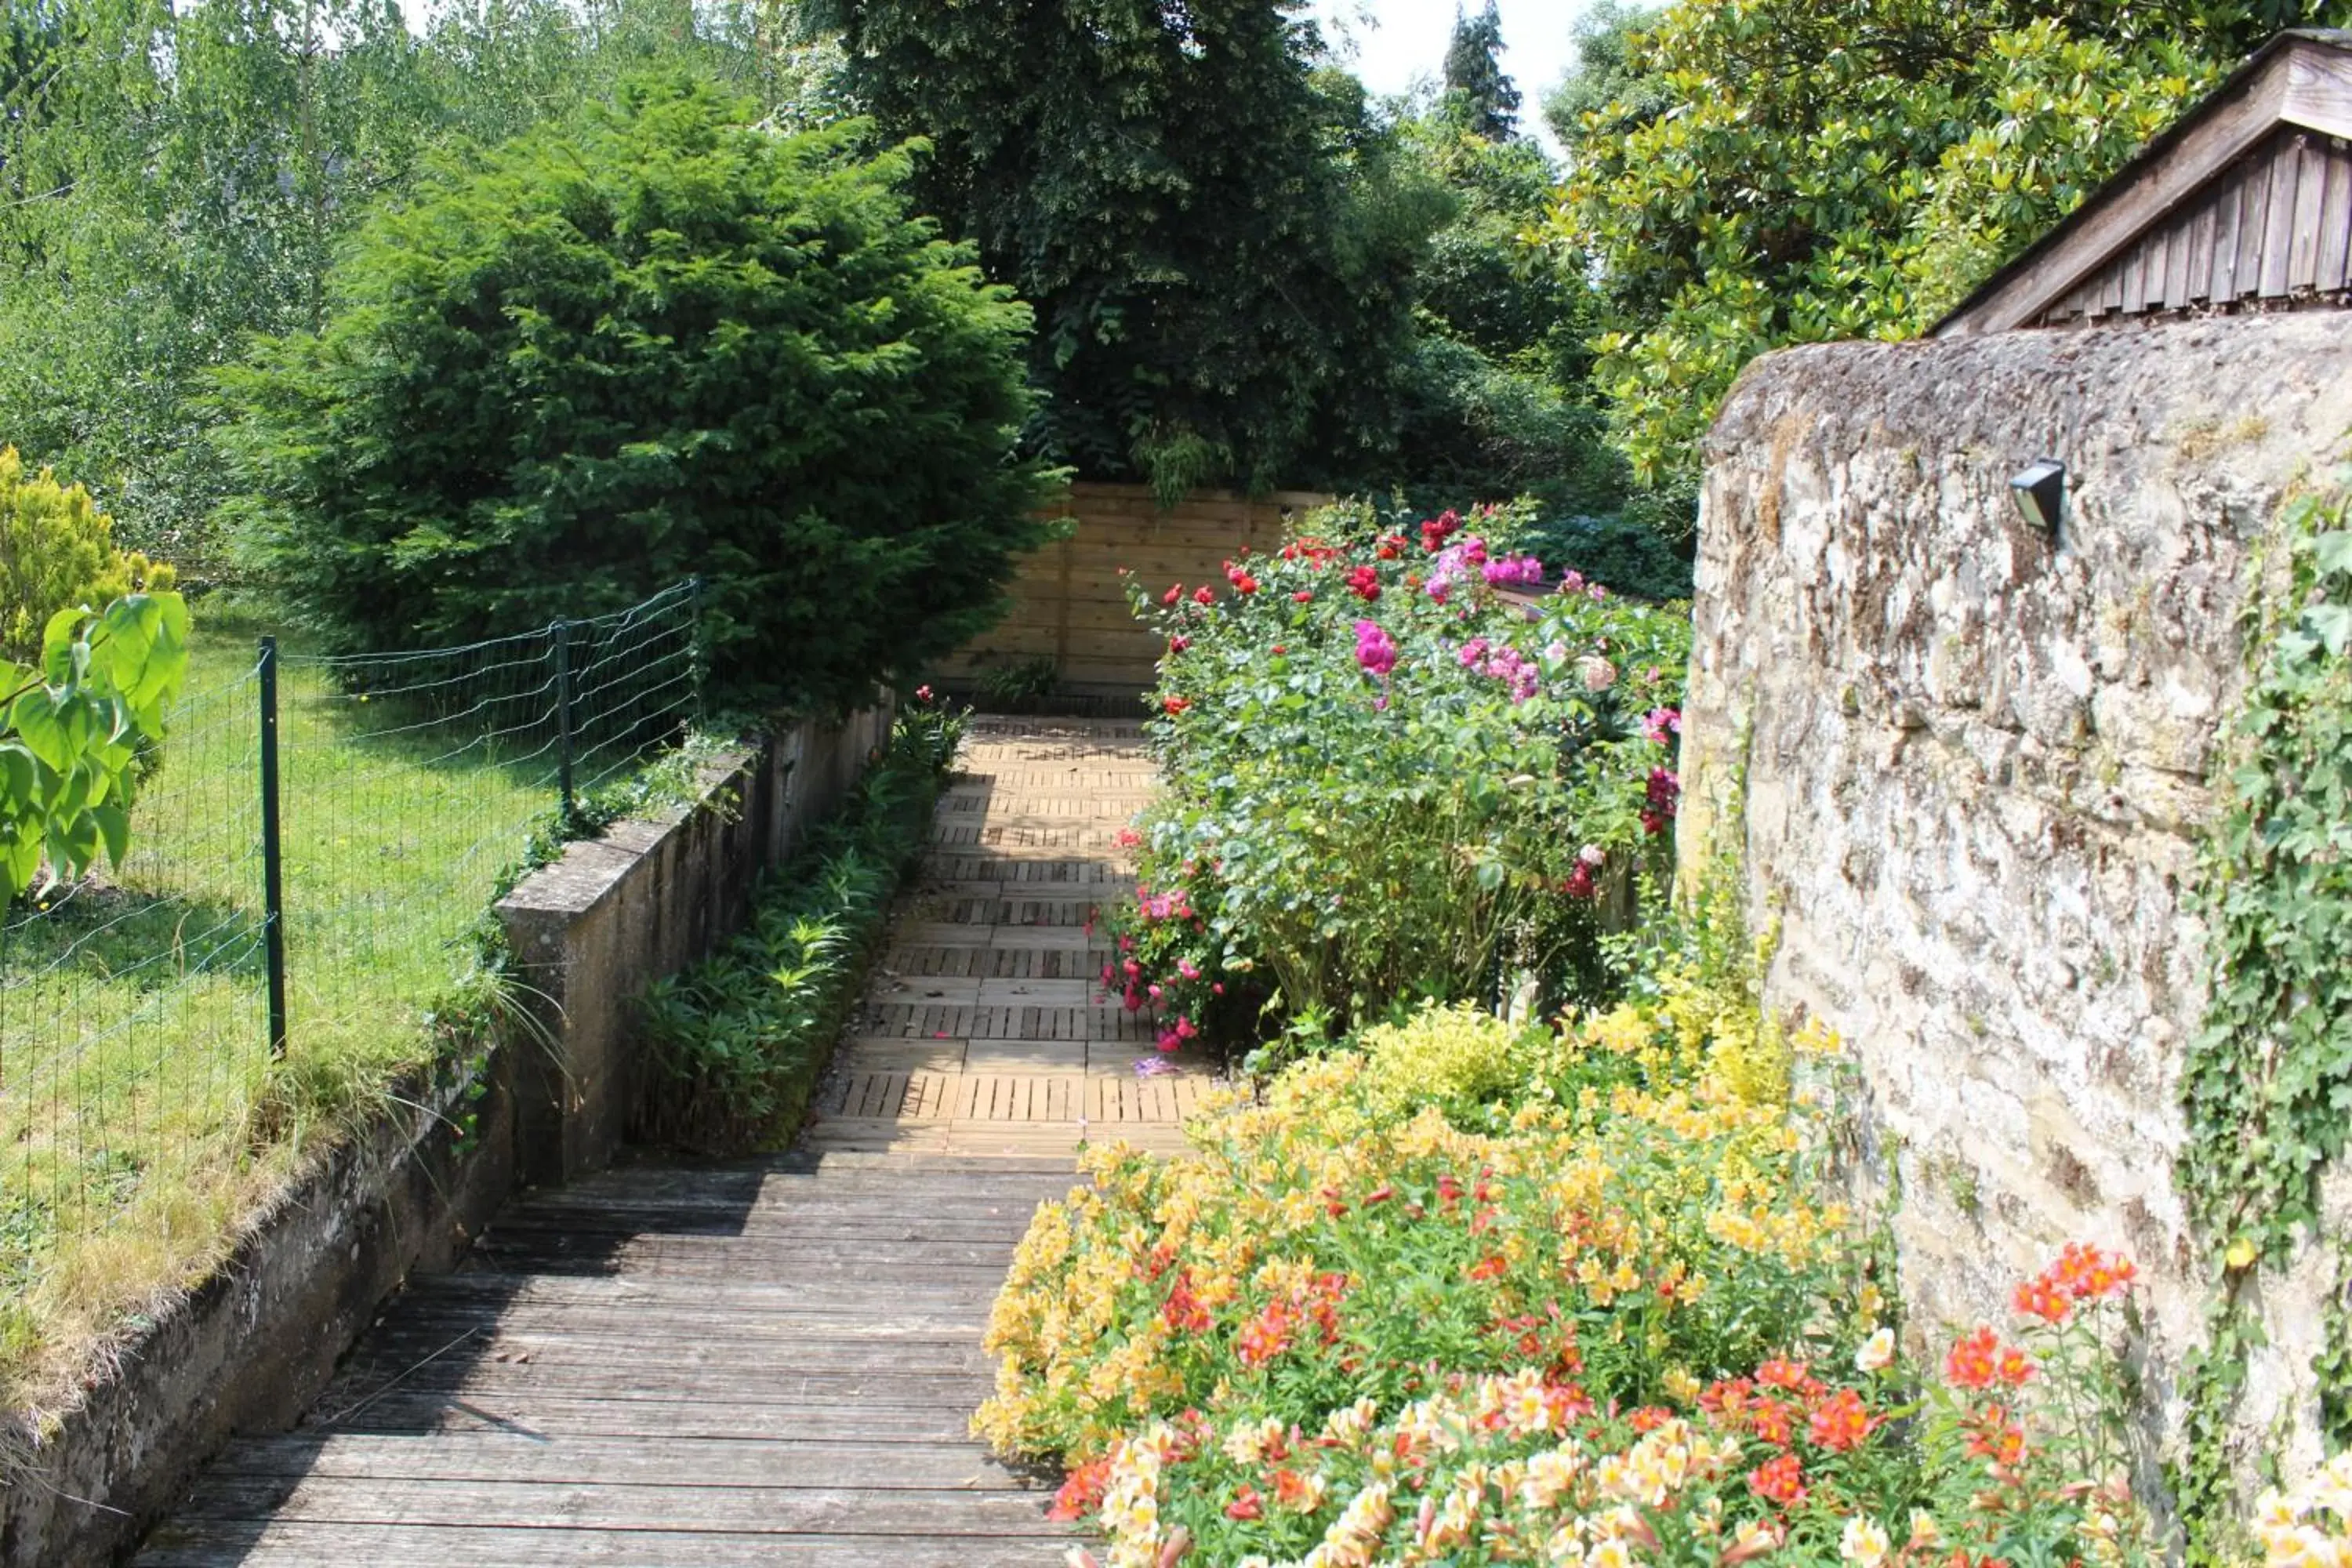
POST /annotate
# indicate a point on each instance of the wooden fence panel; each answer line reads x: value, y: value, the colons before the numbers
x: 1069, y: 602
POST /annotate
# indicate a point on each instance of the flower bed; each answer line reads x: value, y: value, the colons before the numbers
x: 1475, y: 1295
x: 1325, y: 1248
x: 1383, y: 780
x: 738, y: 1042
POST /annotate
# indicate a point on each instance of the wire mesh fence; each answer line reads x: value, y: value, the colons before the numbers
x: 254, y: 934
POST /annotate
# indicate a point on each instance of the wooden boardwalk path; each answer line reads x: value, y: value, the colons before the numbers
x: 769, y: 1361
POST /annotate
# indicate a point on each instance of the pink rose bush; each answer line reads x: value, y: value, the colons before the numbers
x: 1379, y: 771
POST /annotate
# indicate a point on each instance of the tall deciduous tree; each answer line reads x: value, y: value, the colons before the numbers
x: 657, y: 341
x: 1476, y: 89
x: 1213, y: 234
x: 1827, y: 172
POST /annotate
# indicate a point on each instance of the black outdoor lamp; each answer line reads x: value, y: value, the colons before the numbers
x: 2041, y: 491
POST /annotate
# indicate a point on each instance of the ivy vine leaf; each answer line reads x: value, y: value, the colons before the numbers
x: 2332, y: 624
x: 2333, y: 551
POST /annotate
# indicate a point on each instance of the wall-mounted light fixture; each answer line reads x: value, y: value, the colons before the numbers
x: 2041, y: 491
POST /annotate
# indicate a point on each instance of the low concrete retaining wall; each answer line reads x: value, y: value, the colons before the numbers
x: 590, y: 933
x: 249, y: 1349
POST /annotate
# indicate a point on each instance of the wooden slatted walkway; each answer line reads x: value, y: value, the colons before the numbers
x: 770, y: 1361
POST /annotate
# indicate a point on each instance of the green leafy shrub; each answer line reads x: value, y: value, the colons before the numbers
x: 77, y: 729
x: 1623, y: 552
x: 1382, y: 781
x: 56, y: 552
x: 738, y: 1042
x: 658, y: 342
x: 1458, y: 1058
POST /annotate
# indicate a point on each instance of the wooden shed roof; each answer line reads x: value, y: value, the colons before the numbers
x: 2246, y: 198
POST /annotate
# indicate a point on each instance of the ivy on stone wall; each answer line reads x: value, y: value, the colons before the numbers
x: 2268, y: 1086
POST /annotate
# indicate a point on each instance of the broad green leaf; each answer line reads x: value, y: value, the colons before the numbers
x: 114, y: 826
x: 33, y: 718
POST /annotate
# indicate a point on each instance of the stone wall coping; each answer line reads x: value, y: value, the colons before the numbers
x: 590, y: 869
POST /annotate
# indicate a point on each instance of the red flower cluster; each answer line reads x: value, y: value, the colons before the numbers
x: 1183, y: 1312
x: 1276, y: 1327
x: 1081, y: 1493
x: 1438, y: 530
x: 2081, y: 1274
x: 1780, y: 1480
x: 1993, y: 1436
x: 1772, y: 1406
x: 1365, y: 584
x: 1390, y: 547
x: 1841, y: 1423
x: 1660, y: 800
x: 1980, y: 1360
x: 1314, y: 551
x: 1243, y: 584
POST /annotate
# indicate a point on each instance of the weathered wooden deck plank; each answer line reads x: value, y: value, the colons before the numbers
x: 276, y: 1544
x: 678, y: 1461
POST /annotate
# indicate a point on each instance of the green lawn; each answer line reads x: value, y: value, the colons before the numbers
x: 141, y: 1114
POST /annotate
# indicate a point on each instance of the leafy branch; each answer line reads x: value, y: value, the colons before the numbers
x: 76, y: 728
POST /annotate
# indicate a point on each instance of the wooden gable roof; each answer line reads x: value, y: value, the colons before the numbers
x: 2247, y: 199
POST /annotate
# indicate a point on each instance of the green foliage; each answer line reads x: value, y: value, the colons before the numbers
x: 655, y: 342
x: 1628, y: 555
x: 1457, y: 1057
x: 74, y: 730
x: 738, y: 1042
x: 56, y: 552
x: 2269, y: 1077
x: 1821, y: 173
x: 1018, y: 685
x: 173, y: 177
x: 1606, y: 91
x: 1494, y: 392
x: 1478, y: 96
x: 1339, y: 832
x: 1216, y: 236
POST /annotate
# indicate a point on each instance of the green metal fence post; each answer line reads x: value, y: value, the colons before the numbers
x: 696, y: 658
x: 273, y: 858
x: 562, y: 631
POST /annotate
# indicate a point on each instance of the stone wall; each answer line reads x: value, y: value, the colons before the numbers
x: 1975, y: 758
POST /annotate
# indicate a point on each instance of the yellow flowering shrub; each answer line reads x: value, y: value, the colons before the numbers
x: 1856, y: 1462
x: 56, y: 552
